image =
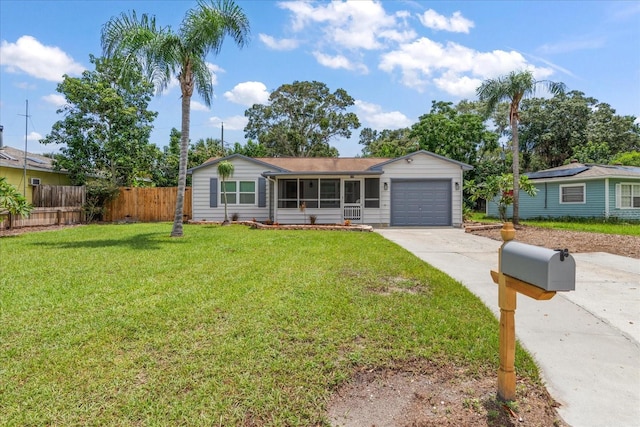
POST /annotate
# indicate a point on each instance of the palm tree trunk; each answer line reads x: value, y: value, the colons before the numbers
x: 224, y: 187
x: 182, y: 169
x: 516, y: 169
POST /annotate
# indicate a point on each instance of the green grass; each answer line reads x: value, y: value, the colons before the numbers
x: 122, y: 325
x: 593, y: 226
x: 588, y: 225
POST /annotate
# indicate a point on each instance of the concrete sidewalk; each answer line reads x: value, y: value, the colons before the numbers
x: 586, y: 342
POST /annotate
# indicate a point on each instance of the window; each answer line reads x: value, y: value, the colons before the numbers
x: 629, y: 196
x: 314, y: 193
x: 372, y: 192
x: 288, y: 193
x: 309, y: 192
x: 247, y: 193
x: 238, y: 192
x: 230, y: 187
x: 329, y: 193
x: 572, y: 194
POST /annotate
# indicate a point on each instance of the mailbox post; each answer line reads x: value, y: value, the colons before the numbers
x: 535, y: 272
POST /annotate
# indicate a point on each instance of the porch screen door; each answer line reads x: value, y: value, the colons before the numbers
x: 352, y: 205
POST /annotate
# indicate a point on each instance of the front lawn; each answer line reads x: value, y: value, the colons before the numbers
x: 587, y: 225
x: 122, y: 325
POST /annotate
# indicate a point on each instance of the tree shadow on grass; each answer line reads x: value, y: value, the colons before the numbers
x: 139, y: 241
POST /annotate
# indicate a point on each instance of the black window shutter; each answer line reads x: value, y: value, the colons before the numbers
x: 262, y: 192
x: 213, y: 192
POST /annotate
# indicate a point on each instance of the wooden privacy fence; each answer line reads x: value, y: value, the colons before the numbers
x: 53, y: 205
x: 43, y: 217
x: 147, y: 204
x: 49, y: 196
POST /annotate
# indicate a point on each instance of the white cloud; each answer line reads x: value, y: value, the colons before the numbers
x: 453, y: 68
x: 282, y: 44
x: 230, y: 123
x: 248, y: 93
x: 456, y: 85
x: 55, y: 99
x: 30, y: 56
x: 339, y: 61
x: 350, y: 24
x: 457, y: 23
x: 373, y: 116
x: 198, y: 106
x: 34, y: 136
x: 215, y: 70
x: 173, y: 83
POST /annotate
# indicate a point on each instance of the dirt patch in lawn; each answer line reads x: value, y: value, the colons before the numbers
x: 22, y: 230
x: 422, y: 393
x: 575, y: 241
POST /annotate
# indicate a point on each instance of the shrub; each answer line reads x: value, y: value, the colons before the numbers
x: 98, y: 194
x: 12, y: 200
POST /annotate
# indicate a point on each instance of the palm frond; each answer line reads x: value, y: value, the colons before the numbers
x: 206, y: 26
x: 140, y: 43
x: 203, y: 79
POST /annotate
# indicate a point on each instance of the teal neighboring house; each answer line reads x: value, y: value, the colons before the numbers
x: 581, y: 190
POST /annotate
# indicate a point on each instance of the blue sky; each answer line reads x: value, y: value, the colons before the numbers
x: 394, y: 57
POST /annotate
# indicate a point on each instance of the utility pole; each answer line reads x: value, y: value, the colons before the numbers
x: 222, y: 138
x: 26, y: 123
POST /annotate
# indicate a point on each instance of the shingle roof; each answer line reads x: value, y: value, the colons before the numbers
x: 327, y: 165
x: 14, y: 158
x: 313, y: 164
x: 322, y: 164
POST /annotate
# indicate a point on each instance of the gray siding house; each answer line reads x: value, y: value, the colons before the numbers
x: 419, y: 189
x: 579, y: 190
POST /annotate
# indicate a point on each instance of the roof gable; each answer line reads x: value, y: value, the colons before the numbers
x: 215, y: 160
x: 464, y: 166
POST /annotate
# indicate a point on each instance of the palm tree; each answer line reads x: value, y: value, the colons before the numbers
x: 513, y: 88
x: 163, y: 53
x: 225, y: 170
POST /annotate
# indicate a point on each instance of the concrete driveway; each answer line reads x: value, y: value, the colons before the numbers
x: 586, y: 342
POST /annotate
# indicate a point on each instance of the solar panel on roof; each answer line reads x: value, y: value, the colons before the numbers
x: 556, y: 173
x: 6, y: 156
x: 35, y: 160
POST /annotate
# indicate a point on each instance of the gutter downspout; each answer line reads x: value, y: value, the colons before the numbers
x: 272, y: 199
x: 606, y: 198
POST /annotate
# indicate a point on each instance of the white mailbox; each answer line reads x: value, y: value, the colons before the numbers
x: 545, y: 268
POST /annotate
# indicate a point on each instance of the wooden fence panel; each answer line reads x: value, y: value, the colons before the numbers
x: 42, y: 217
x: 49, y: 196
x: 147, y: 204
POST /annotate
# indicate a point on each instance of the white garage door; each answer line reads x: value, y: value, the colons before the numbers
x: 424, y: 202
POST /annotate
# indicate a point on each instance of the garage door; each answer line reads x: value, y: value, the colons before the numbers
x: 420, y: 202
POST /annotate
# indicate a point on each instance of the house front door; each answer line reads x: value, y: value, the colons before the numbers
x: 351, y: 206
